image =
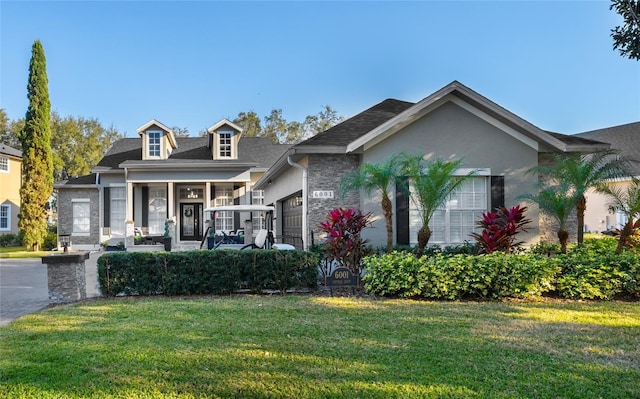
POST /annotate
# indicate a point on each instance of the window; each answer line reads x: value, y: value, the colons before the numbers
x: 224, y: 220
x: 5, y: 217
x: 224, y: 140
x: 118, y: 210
x: 453, y: 223
x: 157, y: 209
x: 4, y: 164
x: 81, y: 210
x: 257, y: 218
x: 153, y: 144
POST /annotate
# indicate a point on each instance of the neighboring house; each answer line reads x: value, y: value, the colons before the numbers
x: 626, y: 140
x: 453, y: 123
x: 10, y: 181
x: 143, y: 182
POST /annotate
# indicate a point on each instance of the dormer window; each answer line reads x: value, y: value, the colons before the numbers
x: 153, y: 143
x: 224, y: 143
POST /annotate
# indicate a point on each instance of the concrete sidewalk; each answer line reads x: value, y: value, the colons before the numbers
x: 24, y: 289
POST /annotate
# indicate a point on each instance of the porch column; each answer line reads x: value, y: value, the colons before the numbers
x: 170, y: 201
x: 207, y: 200
x: 129, y: 201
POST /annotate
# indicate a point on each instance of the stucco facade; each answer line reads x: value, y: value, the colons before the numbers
x: 10, y: 182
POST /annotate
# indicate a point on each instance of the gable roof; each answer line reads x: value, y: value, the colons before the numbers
x: 5, y: 149
x: 254, y: 152
x: 223, y: 122
x: 480, y: 106
x: 623, y: 138
x: 152, y: 122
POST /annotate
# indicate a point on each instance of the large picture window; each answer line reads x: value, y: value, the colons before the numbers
x: 224, y: 220
x: 118, y: 210
x: 81, y: 215
x: 157, y: 209
x: 5, y: 217
x: 153, y: 144
x: 454, y: 223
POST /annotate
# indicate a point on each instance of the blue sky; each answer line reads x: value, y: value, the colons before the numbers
x: 190, y: 64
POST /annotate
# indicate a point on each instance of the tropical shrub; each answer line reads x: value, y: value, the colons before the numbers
x: 344, y: 243
x: 499, y: 229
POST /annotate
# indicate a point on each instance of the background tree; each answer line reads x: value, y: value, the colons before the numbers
x: 180, y: 131
x: 581, y: 172
x: 627, y: 201
x: 78, y: 144
x: 10, y: 130
x: 37, y: 164
x: 250, y: 123
x: 557, y: 202
x: 376, y: 177
x: 433, y: 183
x: 626, y: 37
x: 325, y: 119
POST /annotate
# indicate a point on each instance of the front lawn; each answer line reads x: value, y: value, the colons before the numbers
x: 323, y: 347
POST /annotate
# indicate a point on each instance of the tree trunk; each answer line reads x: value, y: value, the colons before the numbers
x: 387, y: 210
x: 624, y: 236
x: 424, y: 234
x: 581, y: 207
x: 563, y: 237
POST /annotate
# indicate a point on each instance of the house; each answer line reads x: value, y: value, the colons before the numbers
x: 10, y: 181
x: 455, y: 122
x: 625, y: 139
x: 143, y: 182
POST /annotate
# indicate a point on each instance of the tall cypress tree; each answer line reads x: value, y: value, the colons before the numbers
x: 37, y: 161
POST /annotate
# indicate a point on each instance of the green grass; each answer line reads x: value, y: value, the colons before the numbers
x: 21, y: 252
x: 322, y: 347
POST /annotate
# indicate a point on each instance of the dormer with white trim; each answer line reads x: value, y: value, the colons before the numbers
x: 223, y: 140
x: 158, y: 141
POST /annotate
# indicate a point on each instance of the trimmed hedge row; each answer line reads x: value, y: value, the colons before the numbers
x: 582, y: 274
x: 205, y: 272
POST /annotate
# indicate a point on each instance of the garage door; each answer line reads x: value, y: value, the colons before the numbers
x: 292, y: 220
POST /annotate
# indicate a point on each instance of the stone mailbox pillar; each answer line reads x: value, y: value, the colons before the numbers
x: 66, y: 277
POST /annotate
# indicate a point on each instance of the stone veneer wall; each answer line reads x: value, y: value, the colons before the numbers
x: 548, y: 225
x: 324, y: 174
x: 65, y: 214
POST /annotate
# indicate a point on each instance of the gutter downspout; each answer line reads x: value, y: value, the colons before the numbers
x: 305, y: 204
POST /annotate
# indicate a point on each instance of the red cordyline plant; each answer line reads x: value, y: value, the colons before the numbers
x: 499, y: 229
x: 344, y: 243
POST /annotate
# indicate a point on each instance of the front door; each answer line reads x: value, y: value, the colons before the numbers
x: 190, y: 222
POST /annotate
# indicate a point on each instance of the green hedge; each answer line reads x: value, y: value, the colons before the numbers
x: 459, y: 276
x: 591, y: 271
x: 205, y: 272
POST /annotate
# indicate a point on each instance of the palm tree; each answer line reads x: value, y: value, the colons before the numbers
x: 373, y: 177
x: 627, y: 201
x: 557, y: 202
x: 433, y: 183
x: 581, y: 172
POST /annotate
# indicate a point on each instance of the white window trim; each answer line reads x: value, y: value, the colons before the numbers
x: 148, y: 144
x: 8, y: 228
x: 80, y: 200
x: 231, y: 133
x: 8, y: 164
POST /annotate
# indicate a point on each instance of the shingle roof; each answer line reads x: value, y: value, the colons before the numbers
x: 257, y: 150
x: 355, y: 127
x: 623, y: 138
x: 5, y: 149
x: 574, y: 139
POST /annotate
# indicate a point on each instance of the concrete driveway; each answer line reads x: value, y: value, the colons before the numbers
x: 24, y: 290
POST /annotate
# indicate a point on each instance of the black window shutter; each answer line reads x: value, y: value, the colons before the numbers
x: 107, y: 207
x: 402, y: 213
x: 497, y: 192
x: 145, y: 206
